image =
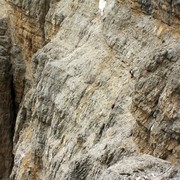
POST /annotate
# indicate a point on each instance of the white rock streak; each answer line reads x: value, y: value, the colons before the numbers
x: 102, y: 5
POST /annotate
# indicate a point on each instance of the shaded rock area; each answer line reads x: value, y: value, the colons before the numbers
x: 91, y: 94
x: 27, y: 22
x: 33, y: 24
x: 6, y: 104
x: 166, y: 10
x: 12, y: 71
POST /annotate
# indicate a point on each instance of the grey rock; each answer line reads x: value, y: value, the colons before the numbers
x: 3, y: 51
x: 75, y: 119
x: 143, y: 167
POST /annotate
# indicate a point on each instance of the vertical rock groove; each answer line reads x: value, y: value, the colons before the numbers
x: 170, y: 11
x: 27, y: 28
x: 6, y: 104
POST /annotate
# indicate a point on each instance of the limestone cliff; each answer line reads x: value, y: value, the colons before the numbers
x: 96, y: 90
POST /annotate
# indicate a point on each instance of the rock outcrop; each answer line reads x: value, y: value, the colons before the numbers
x: 96, y: 90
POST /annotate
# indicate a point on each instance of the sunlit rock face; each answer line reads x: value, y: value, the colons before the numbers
x: 99, y: 90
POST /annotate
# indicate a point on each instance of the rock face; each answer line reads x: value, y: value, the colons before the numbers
x: 97, y: 86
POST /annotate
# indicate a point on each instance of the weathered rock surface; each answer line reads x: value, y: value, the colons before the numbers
x: 145, y: 167
x: 75, y: 120
x: 156, y: 95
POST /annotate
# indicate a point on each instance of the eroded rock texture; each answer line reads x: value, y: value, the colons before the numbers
x: 144, y: 167
x: 75, y: 119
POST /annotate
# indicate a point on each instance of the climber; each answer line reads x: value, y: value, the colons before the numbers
x: 102, y: 5
x: 132, y: 71
x: 112, y: 106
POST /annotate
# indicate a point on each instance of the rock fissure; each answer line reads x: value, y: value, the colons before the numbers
x: 8, y: 104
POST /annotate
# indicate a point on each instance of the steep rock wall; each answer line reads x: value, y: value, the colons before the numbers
x: 33, y: 24
x: 75, y: 121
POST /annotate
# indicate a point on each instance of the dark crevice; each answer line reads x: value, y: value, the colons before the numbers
x: 170, y: 11
x: 8, y: 111
x: 43, y: 18
x: 17, y: 85
x: 10, y: 107
x: 15, y: 105
x: 14, y: 110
